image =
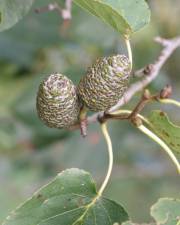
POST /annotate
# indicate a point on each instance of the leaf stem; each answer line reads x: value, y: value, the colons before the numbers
x: 110, y: 152
x: 128, y: 45
x: 150, y: 134
x: 170, y: 101
x: 128, y: 112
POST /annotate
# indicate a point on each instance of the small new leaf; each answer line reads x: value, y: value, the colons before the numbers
x: 70, y: 199
x: 165, y: 129
x: 125, y: 17
x: 12, y: 11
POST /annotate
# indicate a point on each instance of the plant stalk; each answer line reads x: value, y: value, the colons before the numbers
x: 128, y: 45
x: 110, y: 152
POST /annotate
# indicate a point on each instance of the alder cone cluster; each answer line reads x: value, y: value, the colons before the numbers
x: 57, y: 102
x: 105, y: 82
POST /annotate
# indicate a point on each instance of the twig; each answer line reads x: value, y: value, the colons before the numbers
x: 169, y: 48
x: 134, y: 115
x: 146, y: 97
x: 65, y: 12
x: 50, y: 7
x: 150, y: 72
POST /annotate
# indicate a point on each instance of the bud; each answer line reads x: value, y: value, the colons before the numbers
x: 166, y: 92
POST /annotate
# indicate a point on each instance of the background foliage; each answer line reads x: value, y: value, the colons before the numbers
x: 31, y: 154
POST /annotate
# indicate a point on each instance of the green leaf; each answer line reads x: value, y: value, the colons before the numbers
x: 11, y: 11
x: 165, y: 129
x: 125, y: 17
x: 70, y: 199
x: 166, y: 211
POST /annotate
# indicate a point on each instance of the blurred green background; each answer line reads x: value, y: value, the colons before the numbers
x: 32, y: 154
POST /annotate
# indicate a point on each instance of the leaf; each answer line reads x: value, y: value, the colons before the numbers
x: 125, y: 17
x: 70, y: 199
x: 165, y: 129
x: 11, y: 11
x: 166, y: 211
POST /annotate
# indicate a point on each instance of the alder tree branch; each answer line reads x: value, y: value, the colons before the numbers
x: 148, y: 74
x: 134, y: 115
x: 65, y: 12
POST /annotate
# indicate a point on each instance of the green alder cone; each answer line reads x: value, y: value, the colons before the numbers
x: 57, y: 102
x: 105, y: 82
